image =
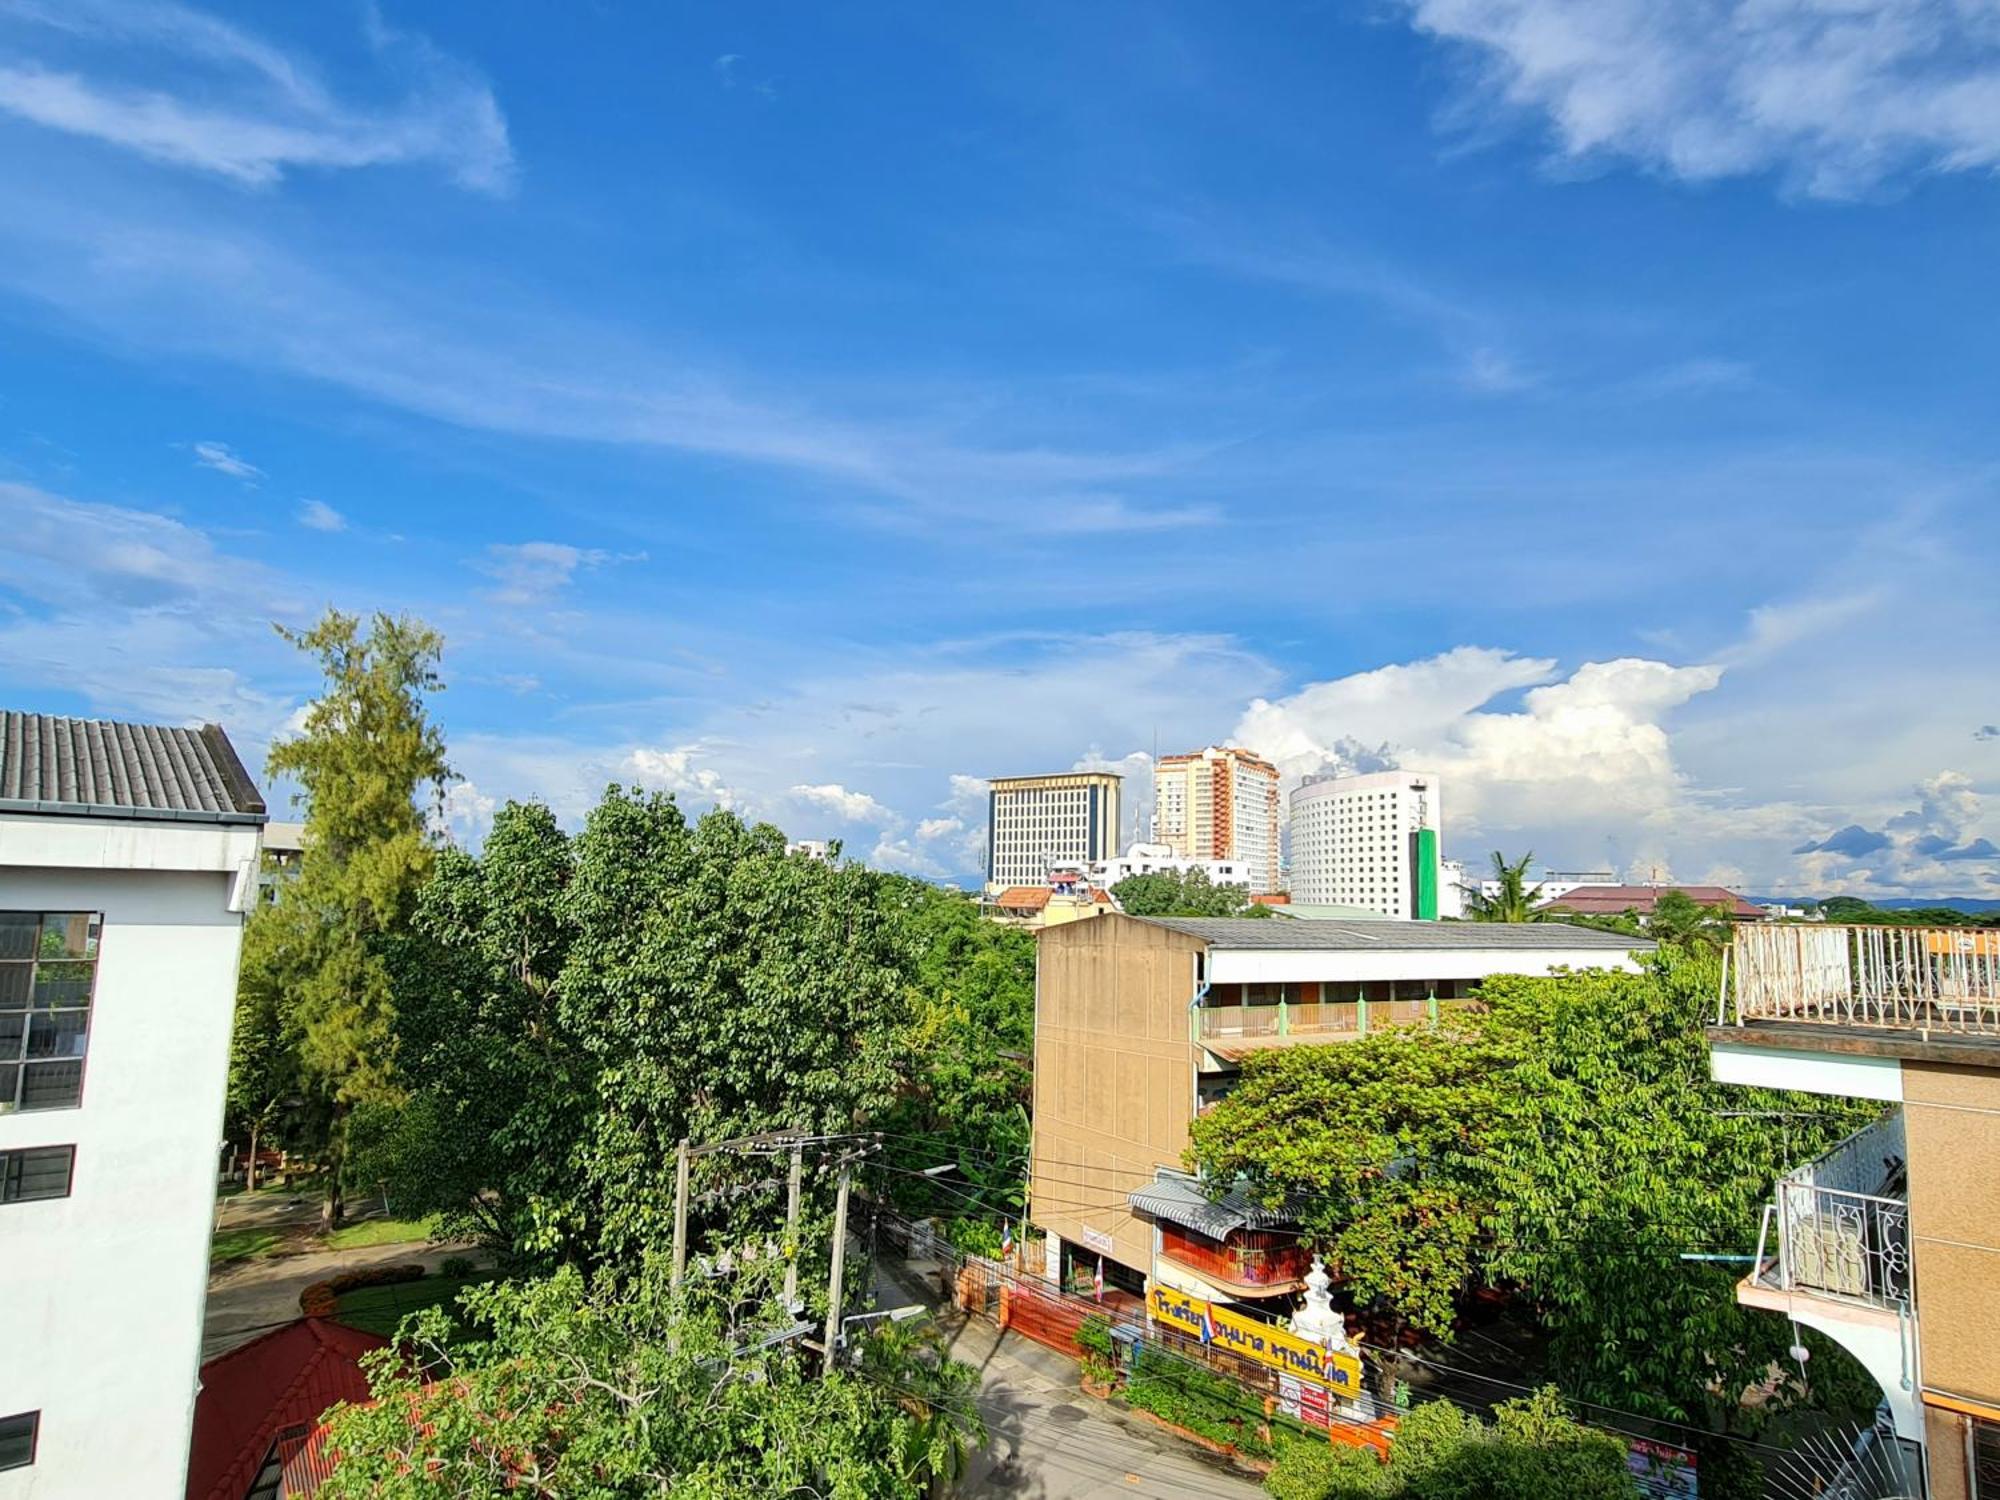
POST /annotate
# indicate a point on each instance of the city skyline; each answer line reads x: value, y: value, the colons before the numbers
x: 819, y: 413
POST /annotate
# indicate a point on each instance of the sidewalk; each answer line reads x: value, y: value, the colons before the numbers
x: 1045, y: 1438
x: 246, y: 1298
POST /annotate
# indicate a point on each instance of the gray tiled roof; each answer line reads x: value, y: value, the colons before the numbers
x: 1364, y: 937
x: 89, y: 768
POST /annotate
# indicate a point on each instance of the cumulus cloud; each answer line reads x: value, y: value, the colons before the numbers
x: 219, y: 457
x: 676, y: 771
x: 1854, y: 841
x: 937, y: 828
x: 1933, y: 846
x: 317, y: 515
x: 837, y: 801
x: 222, y: 101
x: 1836, y: 98
x: 1987, y: 732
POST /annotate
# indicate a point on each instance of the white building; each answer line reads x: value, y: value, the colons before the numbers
x: 1451, y: 889
x: 1220, y: 803
x: 1035, y: 824
x: 1160, y: 859
x: 1554, y: 883
x: 128, y: 855
x: 1369, y: 841
x: 818, y: 849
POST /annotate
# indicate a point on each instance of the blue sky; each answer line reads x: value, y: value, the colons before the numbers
x: 817, y: 408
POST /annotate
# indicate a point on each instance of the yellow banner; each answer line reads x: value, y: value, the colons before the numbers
x: 1264, y: 1342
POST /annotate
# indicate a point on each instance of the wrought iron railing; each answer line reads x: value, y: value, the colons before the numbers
x: 1850, y: 1247
x: 1942, y: 979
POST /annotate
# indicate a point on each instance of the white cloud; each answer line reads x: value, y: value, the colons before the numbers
x: 1935, y: 846
x: 1836, y: 97
x: 317, y: 515
x: 468, y: 812
x: 937, y: 828
x: 675, y: 771
x: 529, y: 573
x: 219, y: 457
x: 224, y: 102
x: 837, y: 801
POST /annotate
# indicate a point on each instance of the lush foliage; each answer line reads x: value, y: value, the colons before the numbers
x: 580, y: 1392
x: 1183, y: 894
x: 316, y: 1008
x: 1854, y: 909
x: 1514, y: 901
x: 968, y: 1082
x: 571, y: 1008
x: 1533, y: 1451
x: 1567, y: 1141
x: 1183, y: 1393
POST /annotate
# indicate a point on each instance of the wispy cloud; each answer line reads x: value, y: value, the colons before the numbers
x: 221, y: 458
x: 528, y: 573
x: 1836, y: 98
x: 317, y: 515
x: 235, y: 106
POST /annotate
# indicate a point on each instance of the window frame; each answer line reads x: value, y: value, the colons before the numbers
x: 10, y: 1174
x: 34, y: 1421
x: 19, y: 1068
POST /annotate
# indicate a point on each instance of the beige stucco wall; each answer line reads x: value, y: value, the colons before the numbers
x: 1952, y: 1121
x: 1114, y: 1075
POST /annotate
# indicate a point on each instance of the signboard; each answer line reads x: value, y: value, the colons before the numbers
x: 1304, y: 1401
x: 1266, y: 1343
x: 1098, y: 1240
x: 1664, y: 1472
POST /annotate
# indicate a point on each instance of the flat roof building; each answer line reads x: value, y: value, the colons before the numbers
x: 1141, y: 1023
x: 1036, y: 822
x: 1370, y: 841
x: 1220, y: 803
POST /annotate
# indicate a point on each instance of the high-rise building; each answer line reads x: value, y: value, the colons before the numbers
x: 128, y: 858
x: 1034, y: 822
x: 1369, y: 841
x: 1220, y: 803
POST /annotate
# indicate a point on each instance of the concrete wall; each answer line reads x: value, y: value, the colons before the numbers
x: 1951, y: 1119
x: 1114, y: 1077
x: 105, y: 1289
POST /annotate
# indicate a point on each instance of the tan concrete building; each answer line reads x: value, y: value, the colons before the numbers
x: 1220, y: 803
x: 1142, y: 1022
x: 1890, y: 1243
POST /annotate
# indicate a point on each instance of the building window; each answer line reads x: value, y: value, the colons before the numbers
x: 48, y: 969
x: 17, y: 1439
x: 38, y: 1172
x: 1985, y: 1460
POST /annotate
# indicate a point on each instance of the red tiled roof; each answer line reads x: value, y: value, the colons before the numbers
x: 272, y: 1390
x: 1615, y: 900
x: 1024, y: 897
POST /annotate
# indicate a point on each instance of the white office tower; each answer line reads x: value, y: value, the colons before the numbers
x: 1037, y: 823
x: 1220, y: 803
x: 128, y: 855
x: 1369, y: 841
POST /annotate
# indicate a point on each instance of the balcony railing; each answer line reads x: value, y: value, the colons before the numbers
x: 1328, y: 1020
x: 1942, y: 979
x: 1842, y: 1224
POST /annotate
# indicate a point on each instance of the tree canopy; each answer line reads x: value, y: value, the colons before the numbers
x: 1188, y: 893
x: 596, y: 1392
x: 316, y: 1006
x: 1514, y: 901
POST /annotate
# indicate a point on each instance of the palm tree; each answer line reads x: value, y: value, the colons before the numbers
x: 1514, y: 901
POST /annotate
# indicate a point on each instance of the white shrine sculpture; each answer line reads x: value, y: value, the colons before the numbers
x: 1318, y: 1320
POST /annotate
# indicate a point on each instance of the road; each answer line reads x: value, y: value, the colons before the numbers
x: 248, y: 1297
x: 1046, y: 1439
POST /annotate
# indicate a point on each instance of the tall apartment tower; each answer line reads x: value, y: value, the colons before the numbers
x: 1220, y: 803
x: 1369, y: 841
x: 1033, y: 822
x: 128, y: 857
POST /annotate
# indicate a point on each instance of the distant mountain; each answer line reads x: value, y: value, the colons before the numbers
x: 1971, y: 905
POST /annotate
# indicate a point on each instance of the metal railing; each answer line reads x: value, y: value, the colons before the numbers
x: 1944, y: 979
x: 1843, y: 1224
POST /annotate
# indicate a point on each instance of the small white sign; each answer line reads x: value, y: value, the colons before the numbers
x: 1097, y: 1240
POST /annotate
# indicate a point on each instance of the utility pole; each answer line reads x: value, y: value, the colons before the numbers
x: 792, y: 1227
x: 680, y: 1211
x: 839, y: 1265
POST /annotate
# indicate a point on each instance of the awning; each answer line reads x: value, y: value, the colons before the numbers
x: 1183, y: 1203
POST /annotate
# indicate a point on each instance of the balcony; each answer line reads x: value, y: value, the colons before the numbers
x: 1838, y: 1229
x: 1256, y: 1263
x: 1261, y: 1019
x: 1934, y: 981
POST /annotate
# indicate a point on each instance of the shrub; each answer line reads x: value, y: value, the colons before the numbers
x: 1204, y: 1403
x: 321, y: 1298
x: 1094, y: 1337
x: 1311, y: 1468
x: 455, y: 1265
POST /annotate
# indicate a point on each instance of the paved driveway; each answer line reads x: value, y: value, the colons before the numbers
x: 250, y: 1296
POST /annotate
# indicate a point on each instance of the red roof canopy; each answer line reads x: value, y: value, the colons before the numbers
x: 1615, y: 900
x: 272, y: 1390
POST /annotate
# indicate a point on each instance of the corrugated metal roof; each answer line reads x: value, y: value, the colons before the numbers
x: 1384, y: 937
x: 91, y: 768
x: 1183, y: 1203
x: 272, y: 1390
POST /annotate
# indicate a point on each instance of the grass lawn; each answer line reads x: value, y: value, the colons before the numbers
x: 380, y: 1232
x: 378, y: 1309
x: 242, y: 1244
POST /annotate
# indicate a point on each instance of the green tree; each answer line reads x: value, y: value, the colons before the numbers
x: 603, y: 1392
x: 969, y: 1083
x: 1679, y: 918
x: 1189, y: 893
x: 314, y: 959
x: 1515, y: 901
